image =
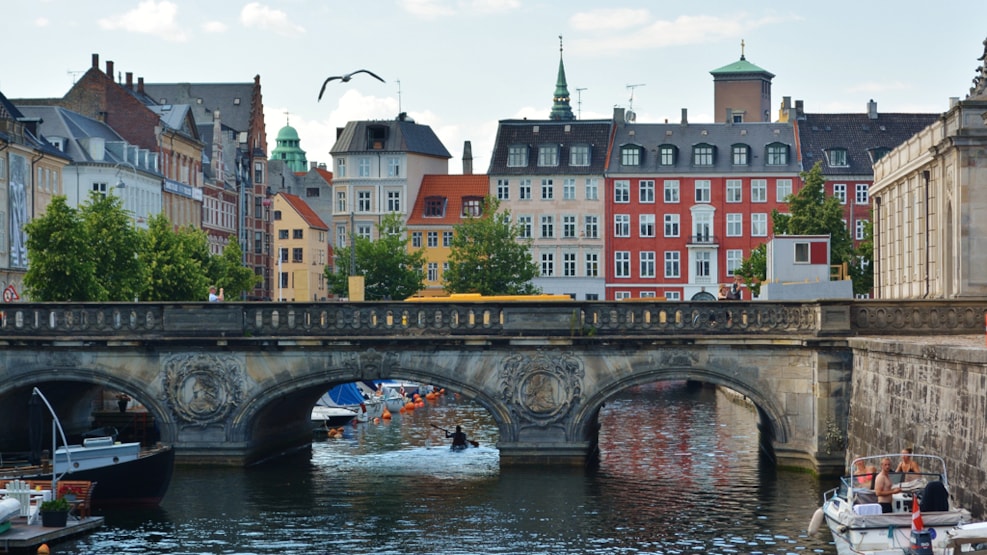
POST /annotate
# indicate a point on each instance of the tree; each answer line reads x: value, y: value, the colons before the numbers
x: 390, y: 271
x: 488, y: 256
x: 115, y: 247
x: 753, y: 269
x: 59, y: 267
x: 175, y: 262
x: 227, y: 271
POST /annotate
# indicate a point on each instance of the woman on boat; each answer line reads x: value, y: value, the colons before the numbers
x: 907, y: 464
x: 864, y: 474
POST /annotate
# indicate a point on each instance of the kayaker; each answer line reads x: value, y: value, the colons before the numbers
x: 458, y: 438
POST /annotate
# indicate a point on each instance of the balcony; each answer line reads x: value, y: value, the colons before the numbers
x: 702, y: 239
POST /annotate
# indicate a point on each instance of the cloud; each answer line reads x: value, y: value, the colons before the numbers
x: 260, y: 16
x: 877, y: 87
x: 639, y: 31
x: 214, y: 27
x: 41, y: 22
x: 431, y: 9
x: 149, y: 18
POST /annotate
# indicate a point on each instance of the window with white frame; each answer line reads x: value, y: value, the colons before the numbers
x: 592, y: 188
x: 547, y: 226
x: 673, y: 296
x: 569, y: 188
x: 446, y: 238
x: 591, y: 227
x: 340, y: 202
x: 547, y: 264
x: 517, y: 156
x: 860, y: 230
x: 621, y: 225
x: 364, y: 231
x: 622, y: 191
x: 363, y: 201
x: 783, y: 188
x: 837, y: 158
x: 579, y: 155
x: 702, y: 190
x: 671, y: 225
x: 569, y: 226
x: 503, y: 189
x: 862, y: 194
x: 646, y: 191
x: 622, y: 264
x: 341, y: 236
x: 735, y: 191
x: 630, y: 155
x: 759, y: 190
x: 394, y: 201
x: 702, y: 155
x: 433, y: 238
x: 740, y: 157
x: 592, y: 260
x: 393, y: 166
x: 341, y: 167
x: 547, y: 189
x: 759, y: 225
x: 621, y: 295
x: 666, y: 155
x: 548, y: 155
x: 703, y: 264
x: 673, y: 264
x: 672, y: 191
x: 647, y: 264
x: 735, y: 225
x: 735, y: 257
x: 569, y: 264
x: 433, y: 271
x: 839, y: 191
x: 363, y: 167
x: 646, y: 225
x: 777, y: 154
x: 524, y: 226
x: 524, y: 189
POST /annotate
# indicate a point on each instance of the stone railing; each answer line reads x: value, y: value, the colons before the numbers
x: 570, y: 319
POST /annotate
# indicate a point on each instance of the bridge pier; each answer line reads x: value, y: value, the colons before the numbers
x: 529, y: 454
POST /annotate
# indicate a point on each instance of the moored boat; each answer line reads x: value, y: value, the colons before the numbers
x: 859, y: 526
x: 324, y: 417
x: 355, y: 397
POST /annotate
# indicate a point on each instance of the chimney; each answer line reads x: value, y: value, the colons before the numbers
x: 799, y: 110
x: 96, y: 60
x: 467, y: 158
x: 872, y: 109
x: 685, y: 116
x: 313, y: 165
x: 109, y: 68
x: 618, y: 115
x: 130, y: 80
x: 140, y: 85
x: 729, y: 120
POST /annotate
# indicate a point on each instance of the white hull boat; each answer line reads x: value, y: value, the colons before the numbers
x: 324, y: 417
x: 859, y: 527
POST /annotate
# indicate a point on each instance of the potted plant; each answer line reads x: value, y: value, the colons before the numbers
x: 55, y: 512
x: 68, y: 492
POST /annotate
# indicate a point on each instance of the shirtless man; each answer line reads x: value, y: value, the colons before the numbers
x: 884, y: 488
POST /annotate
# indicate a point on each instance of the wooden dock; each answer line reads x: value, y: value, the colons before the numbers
x: 23, y: 537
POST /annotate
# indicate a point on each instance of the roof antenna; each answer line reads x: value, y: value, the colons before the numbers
x: 630, y: 102
x: 399, y: 96
x: 579, y: 102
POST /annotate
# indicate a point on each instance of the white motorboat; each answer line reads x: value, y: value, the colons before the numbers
x: 859, y: 526
x: 324, y: 417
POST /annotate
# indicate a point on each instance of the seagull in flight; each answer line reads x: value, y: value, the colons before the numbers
x: 347, y: 77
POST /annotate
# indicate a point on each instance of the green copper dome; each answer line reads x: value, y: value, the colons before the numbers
x: 289, y: 150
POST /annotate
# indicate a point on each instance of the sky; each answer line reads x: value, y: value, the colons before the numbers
x: 460, y: 66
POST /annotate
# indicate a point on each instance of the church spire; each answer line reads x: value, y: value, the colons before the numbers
x: 561, y: 110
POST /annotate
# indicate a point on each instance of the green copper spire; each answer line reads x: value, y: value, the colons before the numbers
x: 560, y: 101
x: 289, y: 149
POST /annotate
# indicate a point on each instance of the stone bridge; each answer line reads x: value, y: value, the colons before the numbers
x: 234, y: 383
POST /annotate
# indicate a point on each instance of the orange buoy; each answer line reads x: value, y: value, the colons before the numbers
x: 43, y: 549
x: 420, y: 404
x: 402, y: 410
x: 376, y: 420
x: 386, y: 415
x: 410, y: 406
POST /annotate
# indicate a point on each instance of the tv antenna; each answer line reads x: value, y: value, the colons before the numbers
x: 399, y: 95
x: 630, y: 102
x: 579, y: 102
x: 75, y: 74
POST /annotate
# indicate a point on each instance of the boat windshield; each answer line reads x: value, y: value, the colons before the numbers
x: 860, y: 480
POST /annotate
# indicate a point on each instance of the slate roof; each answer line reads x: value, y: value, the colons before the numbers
x: 451, y: 187
x: 9, y: 111
x: 403, y: 135
x: 305, y: 211
x: 723, y: 136
x: 858, y: 134
x: 231, y: 99
x: 532, y: 133
x: 73, y: 126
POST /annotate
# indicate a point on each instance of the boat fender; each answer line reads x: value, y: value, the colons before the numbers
x: 816, y: 522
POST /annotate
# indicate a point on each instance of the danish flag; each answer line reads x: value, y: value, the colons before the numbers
x: 917, y: 523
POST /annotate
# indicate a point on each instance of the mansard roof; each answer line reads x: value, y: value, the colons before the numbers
x: 399, y: 135
x: 532, y: 133
x: 722, y: 136
x: 75, y: 127
x: 453, y: 189
x: 231, y: 99
x: 864, y: 137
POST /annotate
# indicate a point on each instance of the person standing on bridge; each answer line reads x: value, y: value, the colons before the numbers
x: 213, y: 297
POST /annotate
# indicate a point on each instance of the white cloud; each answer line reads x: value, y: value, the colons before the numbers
x: 149, y: 18
x: 609, y: 20
x: 41, y: 22
x: 214, y: 27
x: 260, y: 16
x: 431, y: 9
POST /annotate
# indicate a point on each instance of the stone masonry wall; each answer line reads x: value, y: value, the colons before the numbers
x: 929, y: 394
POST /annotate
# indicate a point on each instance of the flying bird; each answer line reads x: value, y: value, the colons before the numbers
x: 347, y: 77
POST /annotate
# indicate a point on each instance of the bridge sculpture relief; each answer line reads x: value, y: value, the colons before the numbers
x: 232, y: 383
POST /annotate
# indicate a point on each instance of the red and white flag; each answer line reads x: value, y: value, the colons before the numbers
x: 917, y: 523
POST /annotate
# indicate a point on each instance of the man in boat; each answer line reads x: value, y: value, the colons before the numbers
x: 458, y: 438
x: 883, y: 487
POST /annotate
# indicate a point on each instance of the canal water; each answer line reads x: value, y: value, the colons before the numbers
x: 680, y: 473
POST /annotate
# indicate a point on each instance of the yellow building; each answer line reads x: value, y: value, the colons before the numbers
x: 301, y: 246
x: 443, y: 202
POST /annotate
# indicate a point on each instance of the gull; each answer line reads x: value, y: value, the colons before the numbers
x: 347, y: 77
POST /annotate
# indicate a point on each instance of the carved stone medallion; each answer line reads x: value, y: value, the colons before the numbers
x: 202, y: 389
x: 541, y: 388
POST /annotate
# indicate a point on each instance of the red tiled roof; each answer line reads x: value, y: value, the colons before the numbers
x: 451, y: 187
x: 303, y: 209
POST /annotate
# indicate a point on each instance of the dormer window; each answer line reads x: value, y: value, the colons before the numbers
x: 740, y: 155
x: 579, y: 155
x: 376, y: 137
x: 517, y: 156
x: 548, y: 156
x: 703, y: 155
x: 667, y: 155
x: 472, y: 207
x: 877, y: 153
x: 435, y: 207
x: 630, y: 155
x: 836, y: 158
x: 777, y: 154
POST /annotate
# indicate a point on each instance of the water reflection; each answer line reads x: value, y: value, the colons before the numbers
x: 679, y: 472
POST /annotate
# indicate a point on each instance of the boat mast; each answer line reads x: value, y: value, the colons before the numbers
x: 56, y: 425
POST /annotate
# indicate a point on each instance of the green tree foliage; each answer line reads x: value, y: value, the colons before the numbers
x: 60, y: 268
x: 115, y: 248
x: 488, y: 257
x: 753, y: 269
x: 228, y: 272
x: 390, y: 271
x: 176, y: 262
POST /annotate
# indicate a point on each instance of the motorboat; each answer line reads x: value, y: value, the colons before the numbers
x: 858, y: 525
x: 356, y: 397
x: 324, y: 417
